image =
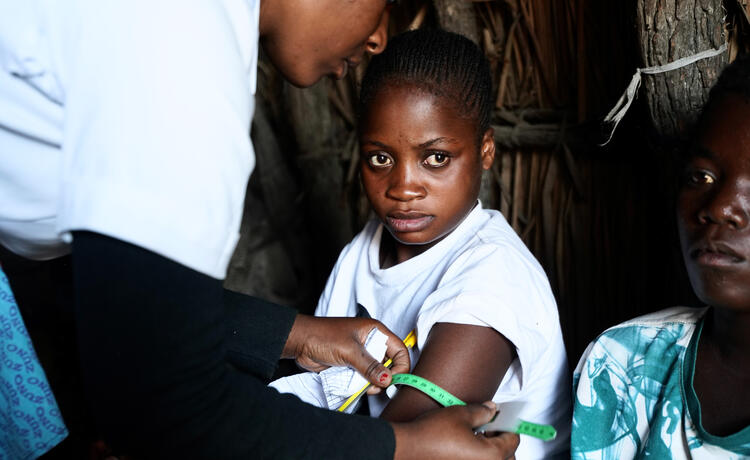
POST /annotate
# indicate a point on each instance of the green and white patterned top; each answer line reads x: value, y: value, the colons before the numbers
x: 634, y: 395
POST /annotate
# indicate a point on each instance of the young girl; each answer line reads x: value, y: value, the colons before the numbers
x: 674, y: 384
x: 433, y: 260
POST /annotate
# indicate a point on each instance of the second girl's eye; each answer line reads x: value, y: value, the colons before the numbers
x: 379, y: 160
x: 436, y: 159
x: 699, y: 177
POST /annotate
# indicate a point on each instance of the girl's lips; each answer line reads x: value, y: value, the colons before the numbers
x: 715, y: 254
x: 409, y: 222
x: 710, y: 258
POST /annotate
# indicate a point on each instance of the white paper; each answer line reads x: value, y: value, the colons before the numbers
x: 507, y: 418
x: 332, y: 387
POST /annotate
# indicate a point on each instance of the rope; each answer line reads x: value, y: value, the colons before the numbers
x: 623, y: 104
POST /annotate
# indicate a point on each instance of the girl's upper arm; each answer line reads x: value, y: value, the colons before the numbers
x: 467, y: 361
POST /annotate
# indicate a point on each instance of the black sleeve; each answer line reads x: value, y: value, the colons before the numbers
x: 256, y: 333
x: 152, y: 339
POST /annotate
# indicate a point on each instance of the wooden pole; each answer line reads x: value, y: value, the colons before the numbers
x: 458, y: 16
x: 670, y: 30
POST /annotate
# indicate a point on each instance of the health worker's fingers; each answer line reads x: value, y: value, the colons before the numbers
x: 374, y: 371
x: 317, y: 343
x: 371, y: 369
x: 447, y: 434
x: 479, y: 414
x: 396, y: 351
x: 505, y: 444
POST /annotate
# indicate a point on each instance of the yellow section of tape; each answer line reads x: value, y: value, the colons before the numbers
x: 410, y: 340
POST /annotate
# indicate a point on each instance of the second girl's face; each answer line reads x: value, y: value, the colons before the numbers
x: 713, y: 208
x: 420, y: 163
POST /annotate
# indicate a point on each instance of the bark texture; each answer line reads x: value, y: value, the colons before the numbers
x: 318, y: 136
x: 670, y: 30
x: 271, y: 260
x: 458, y: 16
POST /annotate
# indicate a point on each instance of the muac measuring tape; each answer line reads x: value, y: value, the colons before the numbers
x: 543, y: 432
x: 501, y: 422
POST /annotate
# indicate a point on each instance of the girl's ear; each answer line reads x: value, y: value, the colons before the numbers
x: 487, y: 149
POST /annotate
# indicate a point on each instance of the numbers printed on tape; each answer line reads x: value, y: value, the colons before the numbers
x: 543, y: 432
x: 430, y: 389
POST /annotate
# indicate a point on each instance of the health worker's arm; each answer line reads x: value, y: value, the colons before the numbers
x: 153, y: 353
x: 152, y: 348
x: 315, y: 343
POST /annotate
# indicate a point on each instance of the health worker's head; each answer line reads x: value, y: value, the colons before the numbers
x: 309, y: 39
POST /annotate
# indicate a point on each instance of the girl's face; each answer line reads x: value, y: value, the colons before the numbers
x: 421, y: 166
x: 713, y: 209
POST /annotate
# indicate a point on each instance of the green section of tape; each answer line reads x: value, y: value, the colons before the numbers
x: 543, y: 432
x: 430, y: 389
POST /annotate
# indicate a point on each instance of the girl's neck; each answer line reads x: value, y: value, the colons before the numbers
x: 722, y: 372
x: 393, y: 253
x: 729, y: 332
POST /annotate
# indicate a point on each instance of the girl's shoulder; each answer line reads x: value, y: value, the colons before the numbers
x: 655, y: 337
x: 494, y: 245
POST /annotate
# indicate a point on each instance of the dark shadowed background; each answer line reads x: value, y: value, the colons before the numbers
x: 599, y: 219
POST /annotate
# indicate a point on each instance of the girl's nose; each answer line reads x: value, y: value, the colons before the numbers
x: 727, y: 206
x: 405, y: 185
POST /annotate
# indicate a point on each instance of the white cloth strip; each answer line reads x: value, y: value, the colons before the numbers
x: 623, y: 104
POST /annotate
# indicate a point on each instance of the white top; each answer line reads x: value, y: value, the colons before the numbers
x: 127, y: 118
x: 480, y: 274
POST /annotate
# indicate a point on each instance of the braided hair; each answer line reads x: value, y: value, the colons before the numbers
x: 442, y: 63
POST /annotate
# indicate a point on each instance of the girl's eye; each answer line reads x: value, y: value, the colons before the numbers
x: 699, y: 177
x: 436, y: 160
x: 379, y: 160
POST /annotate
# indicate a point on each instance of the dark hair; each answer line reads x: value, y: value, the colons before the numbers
x: 440, y: 62
x: 734, y: 79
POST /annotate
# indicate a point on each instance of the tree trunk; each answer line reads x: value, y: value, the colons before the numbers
x: 319, y: 137
x: 272, y: 259
x: 670, y: 30
x: 458, y: 16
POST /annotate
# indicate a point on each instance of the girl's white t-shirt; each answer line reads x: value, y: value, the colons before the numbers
x: 480, y: 274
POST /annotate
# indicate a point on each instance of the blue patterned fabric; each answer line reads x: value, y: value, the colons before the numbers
x: 634, y: 395
x: 30, y: 422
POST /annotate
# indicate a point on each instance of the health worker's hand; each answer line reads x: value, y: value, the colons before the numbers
x: 447, y: 434
x: 318, y: 343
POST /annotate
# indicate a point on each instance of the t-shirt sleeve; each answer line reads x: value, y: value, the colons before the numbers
x: 158, y: 102
x: 494, y: 286
x: 335, y: 301
x: 325, y: 297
